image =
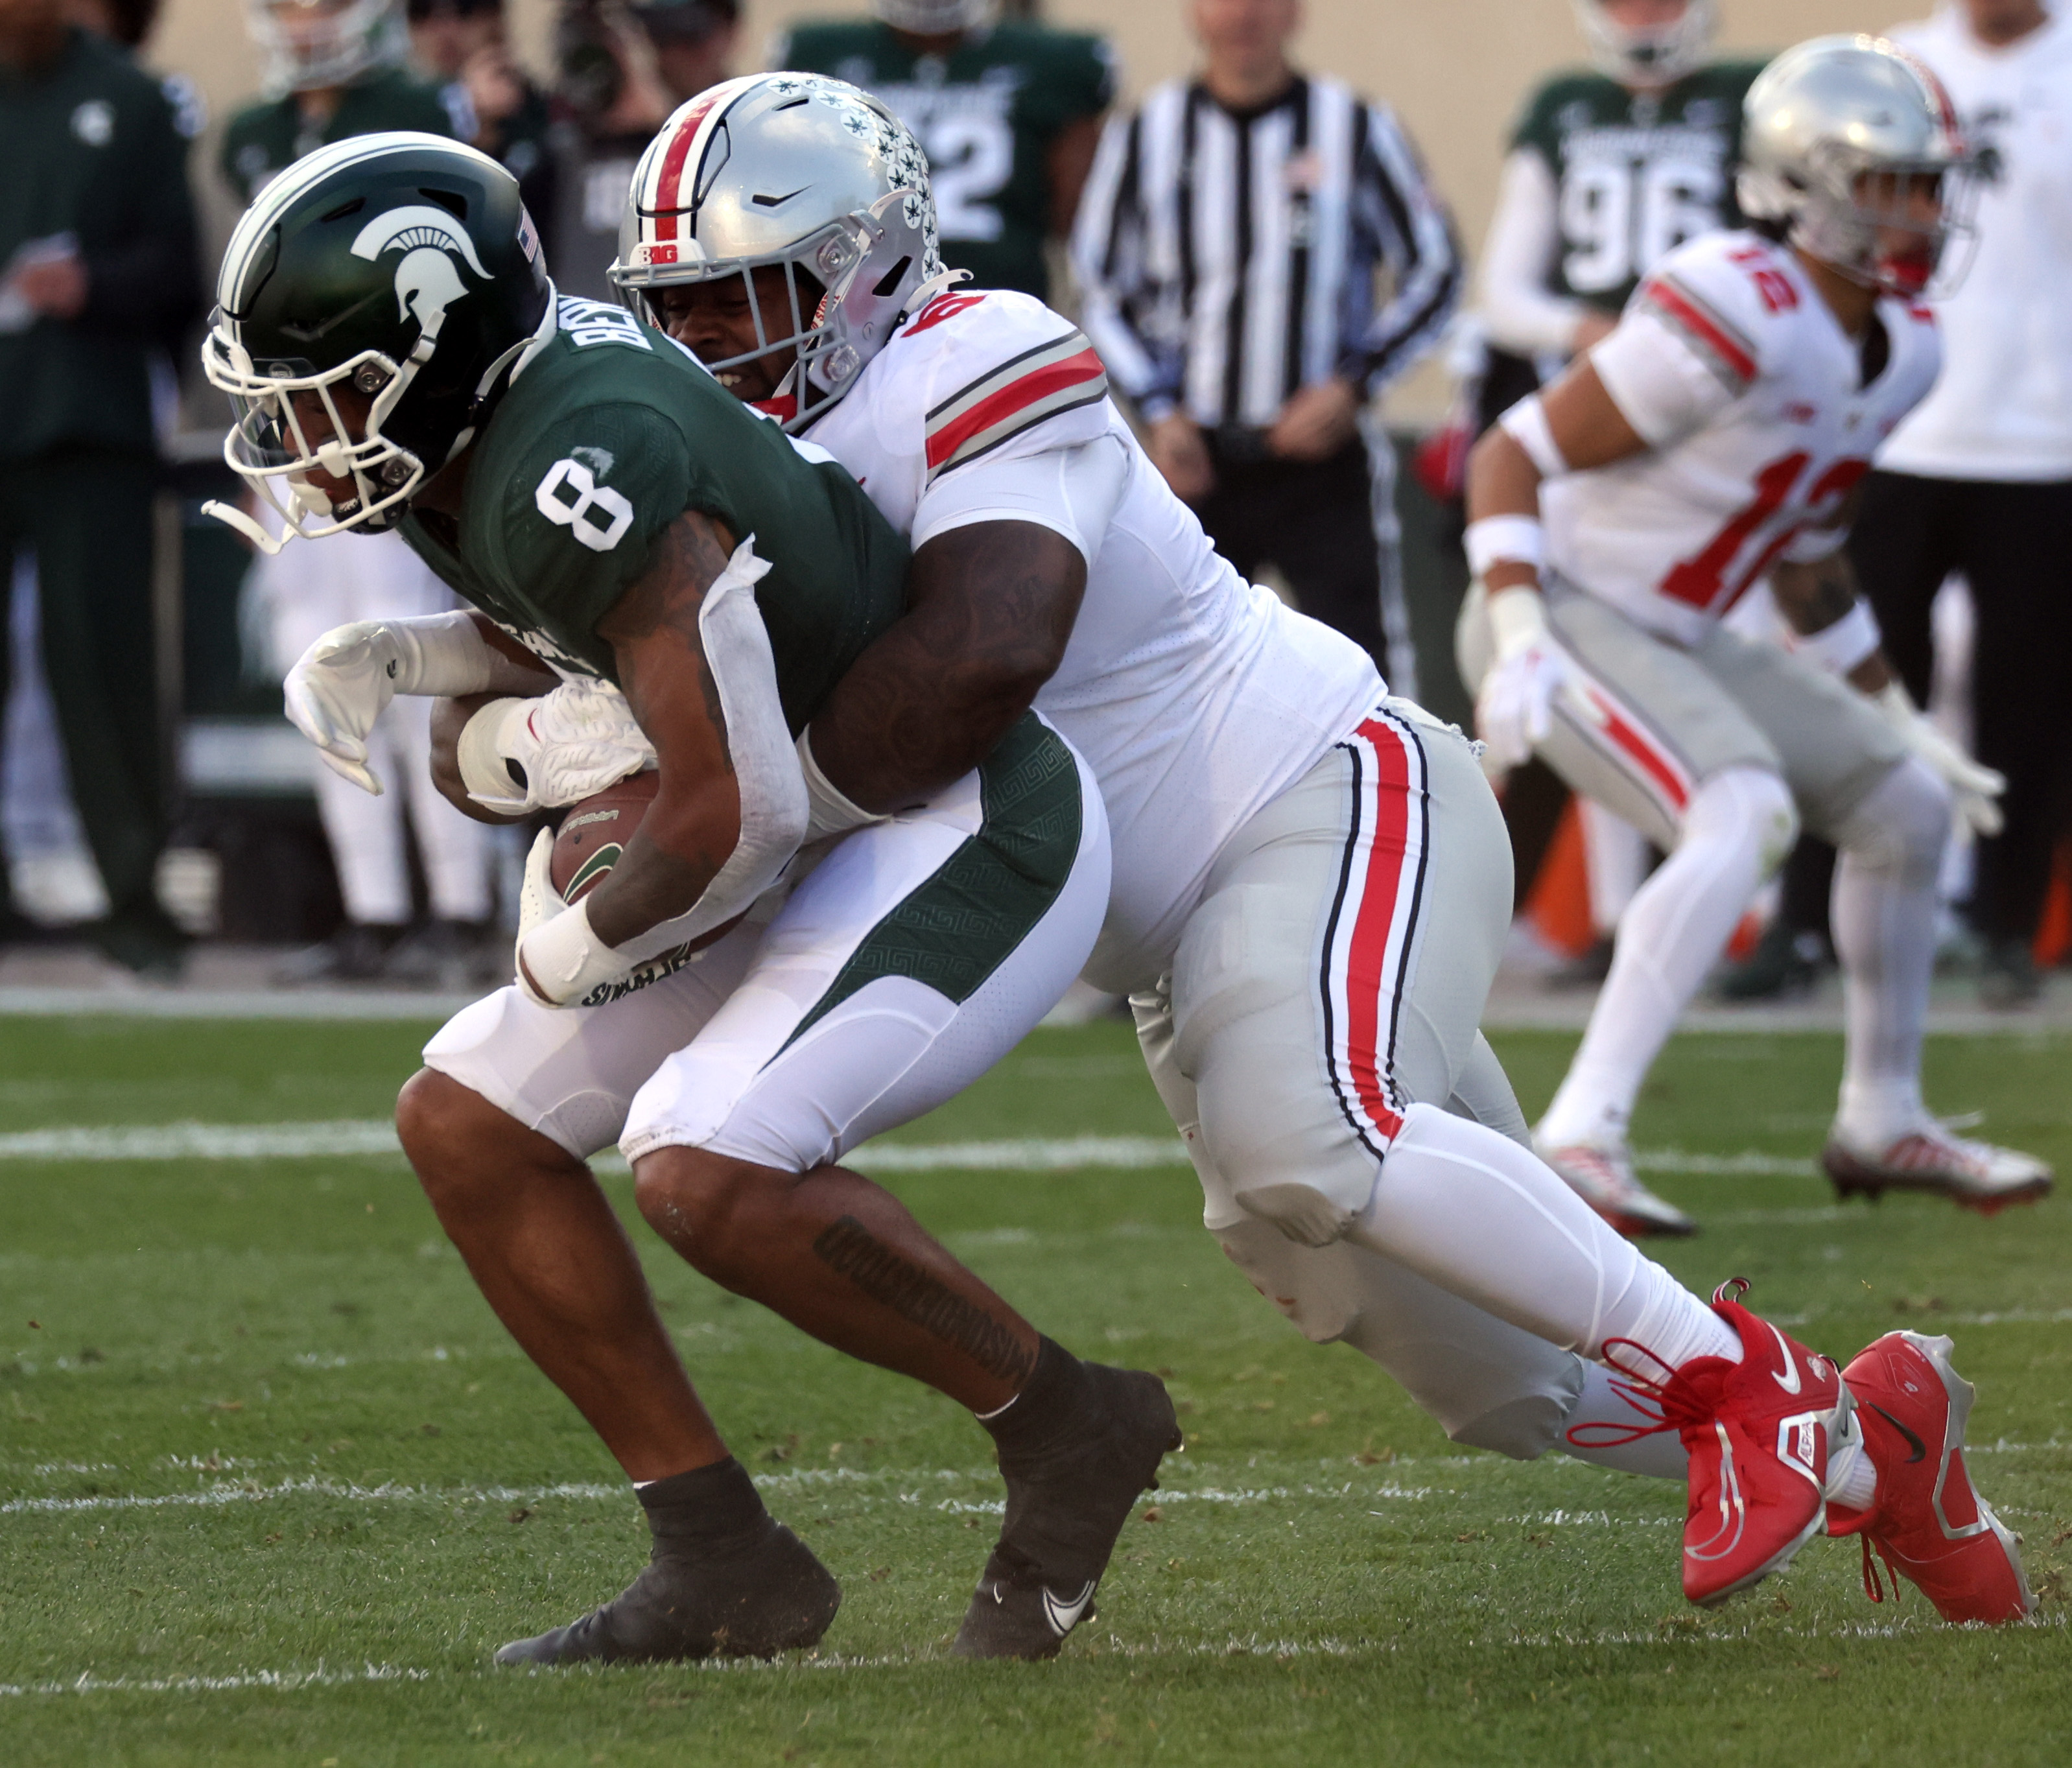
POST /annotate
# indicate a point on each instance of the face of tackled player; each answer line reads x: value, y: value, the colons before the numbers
x: 312, y: 416
x: 716, y: 322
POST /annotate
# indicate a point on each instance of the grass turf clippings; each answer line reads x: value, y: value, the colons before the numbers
x: 273, y: 1484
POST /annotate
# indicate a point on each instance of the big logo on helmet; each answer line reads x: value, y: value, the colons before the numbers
x: 426, y: 282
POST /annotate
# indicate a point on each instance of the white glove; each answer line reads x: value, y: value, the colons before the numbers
x: 565, y: 745
x: 559, y: 961
x: 344, y: 682
x: 1514, y: 710
x: 1975, y: 790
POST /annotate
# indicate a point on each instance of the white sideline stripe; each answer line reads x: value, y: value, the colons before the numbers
x: 1034, y: 1154
x: 282, y: 1680
x: 906, y: 1486
x: 1282, y: 1650
x: 377, y: 1135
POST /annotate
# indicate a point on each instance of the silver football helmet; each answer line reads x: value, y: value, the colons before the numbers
x: 800, y: 171
x: 933, y: 17
x: 1835, y: 132
x: 305, y: 45
x: 1651, y: 55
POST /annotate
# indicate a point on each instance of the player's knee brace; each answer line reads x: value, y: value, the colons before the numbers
x: 1750, y: 808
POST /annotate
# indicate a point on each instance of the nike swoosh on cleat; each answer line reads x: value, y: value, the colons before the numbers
x: 1064, y: 1616
x: 1789, y: 1381
x: 1920, y: 1449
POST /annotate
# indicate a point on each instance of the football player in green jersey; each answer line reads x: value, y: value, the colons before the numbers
x: 332, y: 69
x: 396, y: 357
x: 1009, y: 114
x: 1608, y: 170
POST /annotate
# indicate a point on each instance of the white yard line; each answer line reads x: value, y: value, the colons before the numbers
x: 1029, y: 1154
x: 282, y: 1680
x: 377, y: 1135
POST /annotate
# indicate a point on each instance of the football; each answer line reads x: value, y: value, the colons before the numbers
x: 594, y: 834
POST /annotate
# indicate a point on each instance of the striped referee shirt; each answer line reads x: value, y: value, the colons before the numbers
x: 1229, y: 258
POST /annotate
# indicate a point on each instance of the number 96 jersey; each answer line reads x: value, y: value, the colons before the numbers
x: 1760, y: 415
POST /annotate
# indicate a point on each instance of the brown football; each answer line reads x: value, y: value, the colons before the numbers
x: 594, y: 834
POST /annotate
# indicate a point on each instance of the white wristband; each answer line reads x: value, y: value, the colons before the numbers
x: 562, y: 961
x: 1513, y: 540
x: 1518, y: 620
x: 1839, y: 648
x: 829, y: 810
x: 442, y: 654
x: 1525, y: 423
x: 484, y: 768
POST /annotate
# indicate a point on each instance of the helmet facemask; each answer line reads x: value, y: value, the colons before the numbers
x: 275, y: 441
x: 310, y: 44
x: 933, y: 17
x: 836, y: 280
x: 1649, y: 55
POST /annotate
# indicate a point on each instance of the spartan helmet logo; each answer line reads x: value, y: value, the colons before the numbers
x: 426, y: 282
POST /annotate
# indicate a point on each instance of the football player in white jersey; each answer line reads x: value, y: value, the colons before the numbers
x: 1311, y: 881
x: 1716, y: 435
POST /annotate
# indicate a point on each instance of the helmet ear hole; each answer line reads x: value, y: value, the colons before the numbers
x: 888, y: 285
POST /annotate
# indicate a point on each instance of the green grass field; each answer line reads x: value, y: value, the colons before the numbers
x: 273, y: 1485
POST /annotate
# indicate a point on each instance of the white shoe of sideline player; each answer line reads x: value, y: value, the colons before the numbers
x: 1932, y: 1157
x: 1602, y: 1174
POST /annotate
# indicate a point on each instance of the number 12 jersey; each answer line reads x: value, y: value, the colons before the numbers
x: 1760, y: 415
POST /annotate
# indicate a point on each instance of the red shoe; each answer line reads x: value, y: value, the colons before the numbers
x: 1926, y: 1522
x: 1756, y: 1432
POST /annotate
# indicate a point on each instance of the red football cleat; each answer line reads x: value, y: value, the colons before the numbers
x: 1756, y: 1432
x: 1926, y: 1522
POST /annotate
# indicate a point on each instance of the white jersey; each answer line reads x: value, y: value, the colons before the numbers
x: 2003, y: 409
x: 1751, y: 398
x: 1195, y: 697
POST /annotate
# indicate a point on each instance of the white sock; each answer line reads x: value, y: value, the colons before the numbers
x: 1884, y: 914
x: 1738, y: 829
x: 1491, y: 1223
x: 1602, y: 1411
x: 1852, y: 1479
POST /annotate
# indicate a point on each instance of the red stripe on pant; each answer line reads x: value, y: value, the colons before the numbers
x: 1639, y: 747
x: 1370, y: 990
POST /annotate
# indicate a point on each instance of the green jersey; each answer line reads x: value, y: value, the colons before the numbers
x: 96, y: 166
x: 609, y: 433
x: 264, y: 139
x: 986, y: 115
x: 1637, y: 173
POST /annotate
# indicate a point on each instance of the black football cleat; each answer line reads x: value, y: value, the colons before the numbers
x: 1067, y: 1502
x: 727, y: 1580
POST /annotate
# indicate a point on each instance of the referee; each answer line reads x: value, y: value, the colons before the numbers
x: 1260, y: 255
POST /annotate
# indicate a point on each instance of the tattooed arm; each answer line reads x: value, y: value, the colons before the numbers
x: 1816, y: 597
x: 695, y: 820
x: 989, y: 611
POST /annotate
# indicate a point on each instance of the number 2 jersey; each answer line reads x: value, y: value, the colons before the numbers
x: 1761, y: 414
x: 1196, y: 697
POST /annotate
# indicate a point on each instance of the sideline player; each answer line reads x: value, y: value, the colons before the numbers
x: 396, y: 355
x: 1718, y: 432
x: 1610, y: 170
x: 1310, y: 887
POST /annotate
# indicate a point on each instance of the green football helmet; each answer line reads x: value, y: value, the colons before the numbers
x: 371, y: 306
